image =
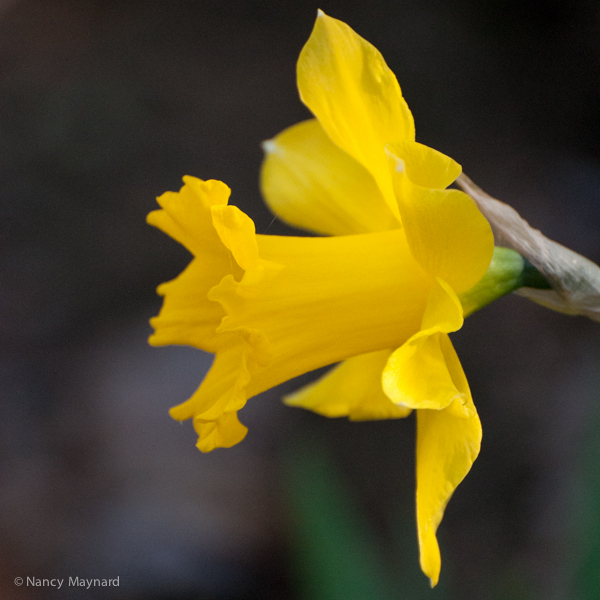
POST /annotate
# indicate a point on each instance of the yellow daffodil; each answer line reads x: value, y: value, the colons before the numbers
x: 379, y: 295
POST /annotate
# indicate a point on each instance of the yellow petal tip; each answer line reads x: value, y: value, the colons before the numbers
x: 397, y: 162
x: 270, y: 147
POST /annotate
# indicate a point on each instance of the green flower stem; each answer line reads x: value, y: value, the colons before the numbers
x: 508, y: 271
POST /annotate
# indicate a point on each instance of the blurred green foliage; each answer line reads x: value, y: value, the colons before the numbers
x: 586, y: 515
x: 335, y: 554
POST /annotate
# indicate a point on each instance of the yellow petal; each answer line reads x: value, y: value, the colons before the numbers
x: 447, y: 446
x: 236, y: 232
x: 311, y: 183
x: 351, y: 389
x: 186, y: 216
x: 224, y: 387
x: 444, y: 311
x: 425, y: 166
x: 417, y: 374
x: 447, y: 234
x: 224, y: 432
x: 187, y: 315
x: 347, y: 85
x: 448, y: 443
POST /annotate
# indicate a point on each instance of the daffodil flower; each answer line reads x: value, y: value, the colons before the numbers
x: 378, y: 295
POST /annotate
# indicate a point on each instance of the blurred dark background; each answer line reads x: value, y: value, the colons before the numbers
x: 105, y: 105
